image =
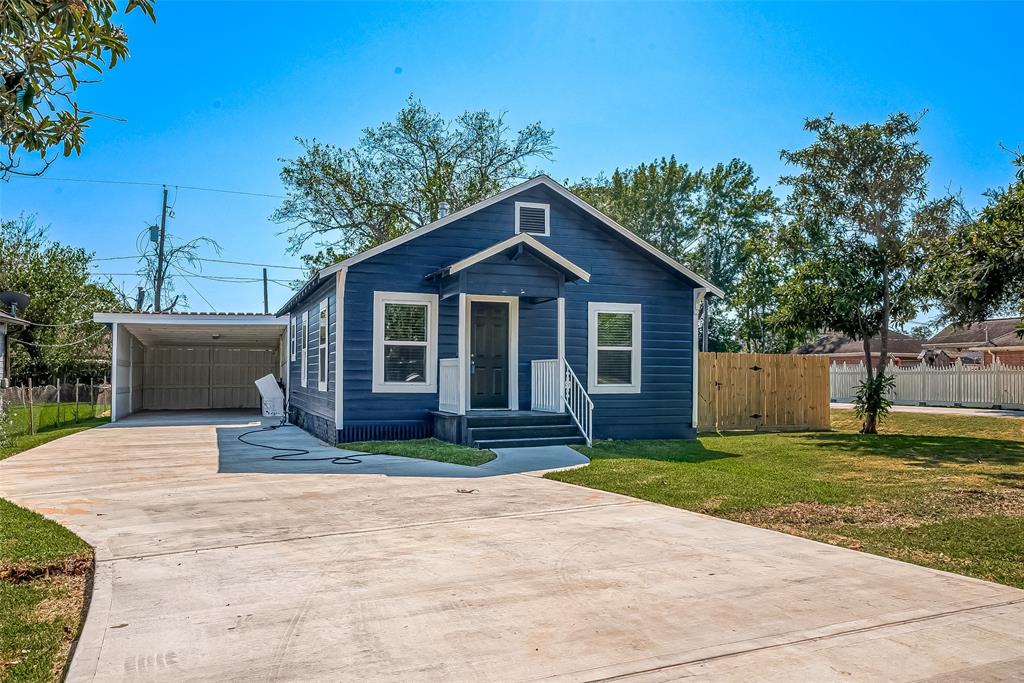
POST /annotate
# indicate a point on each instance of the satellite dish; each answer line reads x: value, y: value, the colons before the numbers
x: 13, y: 301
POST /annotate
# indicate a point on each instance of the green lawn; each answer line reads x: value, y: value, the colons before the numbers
x: 50, y: 415
x: 944, y: 491
x: 426, y: 449
x: 44, y: 569
x: 27, y: 441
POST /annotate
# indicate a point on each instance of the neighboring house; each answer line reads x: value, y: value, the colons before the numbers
x: 466, y: 327
x: 8, y: 323
x: 985, y: 342
x: 903, y: 349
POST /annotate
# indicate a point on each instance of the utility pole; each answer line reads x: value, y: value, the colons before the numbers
x: 266, y: 305
x: 158, y: 279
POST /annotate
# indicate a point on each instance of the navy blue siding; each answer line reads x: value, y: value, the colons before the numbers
x: 620, y: 273
x: 309, y: 400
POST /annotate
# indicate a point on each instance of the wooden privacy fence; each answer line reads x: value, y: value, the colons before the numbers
x: 762, y: 391
x: 975, y: 386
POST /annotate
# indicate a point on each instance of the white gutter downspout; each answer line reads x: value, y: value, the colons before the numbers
x: 698, y: 297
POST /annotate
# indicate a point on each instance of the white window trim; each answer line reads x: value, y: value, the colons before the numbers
x: 547, y: 218
x: 323, y: 339
x: 593, y: 308
x: 304, y: 372
x: 292, y: 338
x: 379, y: 385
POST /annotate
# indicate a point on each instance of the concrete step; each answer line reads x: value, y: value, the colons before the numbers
x: 526, y: 443
x: 517, y: 420
x: 523, y: 431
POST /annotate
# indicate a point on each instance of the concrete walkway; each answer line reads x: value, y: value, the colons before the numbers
x: 208, y: 576
x: 238, y: 457
x: 943, y: 410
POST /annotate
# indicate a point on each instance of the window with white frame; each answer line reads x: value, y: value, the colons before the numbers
x: 304, y: 332
x: 292, y: 337
x: 533, y: 218
x: 404, y: 342
x: 322, y: 348
x: 613, y: 350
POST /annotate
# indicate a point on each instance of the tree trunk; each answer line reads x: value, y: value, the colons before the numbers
x: 870, y: 425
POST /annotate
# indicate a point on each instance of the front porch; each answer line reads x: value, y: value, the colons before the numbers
x: 507, y: 428
x: 508, y: 380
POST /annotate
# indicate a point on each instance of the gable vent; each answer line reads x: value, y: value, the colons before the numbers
x: 533, y: 218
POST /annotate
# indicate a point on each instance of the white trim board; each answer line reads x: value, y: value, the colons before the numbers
x: 466, y: 344
x: 527, y: 240
x: 533, y: 182
x: 339, y: 350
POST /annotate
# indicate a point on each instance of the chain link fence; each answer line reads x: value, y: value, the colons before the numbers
x: 32, y: 409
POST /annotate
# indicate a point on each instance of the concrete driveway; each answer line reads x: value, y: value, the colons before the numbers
x: 209, y: 576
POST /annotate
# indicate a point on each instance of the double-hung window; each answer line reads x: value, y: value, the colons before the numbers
x: 613, y: 358
x: 292, y: 337
x: 322, y: 348
x: 304, y: 336
x: 404, y: 342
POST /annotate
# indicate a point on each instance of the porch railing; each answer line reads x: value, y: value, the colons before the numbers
x: 578, y: 403
x: 448, y: 386
x: 546, y: 386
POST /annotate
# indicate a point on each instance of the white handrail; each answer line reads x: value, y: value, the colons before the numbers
x: 578, y: 403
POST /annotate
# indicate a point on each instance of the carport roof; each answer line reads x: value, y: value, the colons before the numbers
x: 220, y: 329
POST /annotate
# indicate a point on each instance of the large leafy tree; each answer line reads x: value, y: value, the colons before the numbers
x: 63, y: 342
x: 858, y: 215
x: 48, y: 48
x: 345, y: 200
x: 702, y: 218
x: 977, y: 271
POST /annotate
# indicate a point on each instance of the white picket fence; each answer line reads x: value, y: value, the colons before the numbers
x: 974, y: 386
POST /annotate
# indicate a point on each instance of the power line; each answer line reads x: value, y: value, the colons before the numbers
x: 50, y: 346
x: 212, y: 307
x: 146, y: 184
x: 209, y: 260
x: 216, y: 278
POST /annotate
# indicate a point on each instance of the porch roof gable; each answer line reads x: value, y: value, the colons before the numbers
x: 521, y: 242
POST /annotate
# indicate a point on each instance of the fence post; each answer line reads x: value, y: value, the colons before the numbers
x: 31, y: 409
x: 76, y: 400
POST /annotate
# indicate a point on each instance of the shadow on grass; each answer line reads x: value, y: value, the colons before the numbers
x: 666, y: 451
x: 923, y: 450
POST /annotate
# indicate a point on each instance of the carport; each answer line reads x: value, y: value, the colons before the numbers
x: 192, y: 361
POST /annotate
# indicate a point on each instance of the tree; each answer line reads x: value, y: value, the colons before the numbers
x: 398, y: 175
x: 977, y: 271
x: 63, y: 340
x: 756, y: 298
x: 44, y: 48
x: 857, y: 224
x: 702, y: 218
x: 657, y: 201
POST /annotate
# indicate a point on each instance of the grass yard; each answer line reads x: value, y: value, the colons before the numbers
x: 27, y: 441
x: 426, y: 449
x: 44, y: 569
x: 51, y: 415
x: 944, y: 491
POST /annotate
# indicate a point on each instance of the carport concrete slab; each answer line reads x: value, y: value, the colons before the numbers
x: 209, y: 576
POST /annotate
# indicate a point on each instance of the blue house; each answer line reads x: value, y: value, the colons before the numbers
x: 529, y: 318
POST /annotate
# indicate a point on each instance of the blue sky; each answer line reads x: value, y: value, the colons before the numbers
x: 215, y: 93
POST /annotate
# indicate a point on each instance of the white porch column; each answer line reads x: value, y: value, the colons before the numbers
x: 561, y: 353
x: 463, y: 355
x: 698, y: 297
